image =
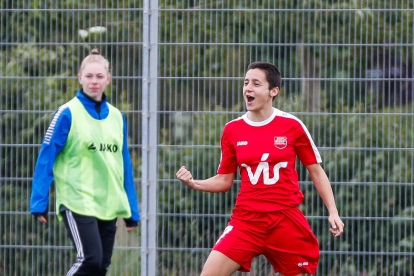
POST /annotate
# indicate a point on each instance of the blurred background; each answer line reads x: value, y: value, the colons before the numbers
x: 177, y: 74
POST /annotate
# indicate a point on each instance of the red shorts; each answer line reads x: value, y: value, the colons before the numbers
x: 284, y: 237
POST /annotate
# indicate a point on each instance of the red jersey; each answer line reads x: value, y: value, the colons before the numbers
x: 265, y: 153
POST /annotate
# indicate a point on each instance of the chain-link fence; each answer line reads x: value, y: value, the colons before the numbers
x: 177, y: 73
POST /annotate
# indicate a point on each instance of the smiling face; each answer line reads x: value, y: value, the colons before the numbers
x: 94, y: 78
x: 256, y: 92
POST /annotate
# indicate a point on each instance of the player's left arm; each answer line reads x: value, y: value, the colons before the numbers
x: 129, y: 186
x: 323, y: 186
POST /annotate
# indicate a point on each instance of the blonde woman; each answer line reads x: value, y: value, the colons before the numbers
x: 85, y: 151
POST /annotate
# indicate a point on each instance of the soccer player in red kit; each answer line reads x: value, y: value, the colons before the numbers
x: 263, y: 144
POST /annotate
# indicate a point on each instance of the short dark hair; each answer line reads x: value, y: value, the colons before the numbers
x: 273, y: 76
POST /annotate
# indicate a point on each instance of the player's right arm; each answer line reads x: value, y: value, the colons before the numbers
x: 224, y: 178
x: 52, y: 144
x: 216, y: 184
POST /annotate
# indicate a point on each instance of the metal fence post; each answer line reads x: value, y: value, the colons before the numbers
x: 149, y: 138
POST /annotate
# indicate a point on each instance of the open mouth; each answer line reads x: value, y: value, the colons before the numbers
x: 249, y: 99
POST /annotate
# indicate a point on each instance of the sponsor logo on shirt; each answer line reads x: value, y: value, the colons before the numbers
x: 102, y: 147
x: 280, y: 142
x: 242, y: 143
x: 302, y: 264
x: 263, y: 168
x: 91, y: 146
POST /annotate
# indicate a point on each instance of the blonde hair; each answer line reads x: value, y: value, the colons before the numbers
x: 94, y: 56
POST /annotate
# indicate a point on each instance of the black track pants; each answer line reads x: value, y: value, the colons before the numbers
x: 93, y: 240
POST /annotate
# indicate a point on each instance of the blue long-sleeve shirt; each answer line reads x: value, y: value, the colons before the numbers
x: 53, y: 143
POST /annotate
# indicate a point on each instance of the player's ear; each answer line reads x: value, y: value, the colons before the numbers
x: 274, y: 91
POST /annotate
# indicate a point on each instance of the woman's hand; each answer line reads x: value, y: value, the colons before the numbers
x: 186, y: 177
x: 130, y: 229
x: 337, y: 225
x: 42, y: 219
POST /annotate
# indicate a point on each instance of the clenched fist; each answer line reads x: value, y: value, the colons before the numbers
x: 185, y: 176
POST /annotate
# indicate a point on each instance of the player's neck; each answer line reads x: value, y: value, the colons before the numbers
x: 260, y: 115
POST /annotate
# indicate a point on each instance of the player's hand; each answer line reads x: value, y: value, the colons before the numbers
x: 185, y: 176
x: 337, y: 225
x: 130, y: 229
x: 42, y: 219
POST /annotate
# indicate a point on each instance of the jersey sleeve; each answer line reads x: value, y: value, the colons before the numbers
x: 52, y: 144
x: 305, y: 147
x: 228, y: 162
x: 129, y: 181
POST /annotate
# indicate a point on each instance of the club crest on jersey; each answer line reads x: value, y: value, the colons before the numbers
x: 280, y: 142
